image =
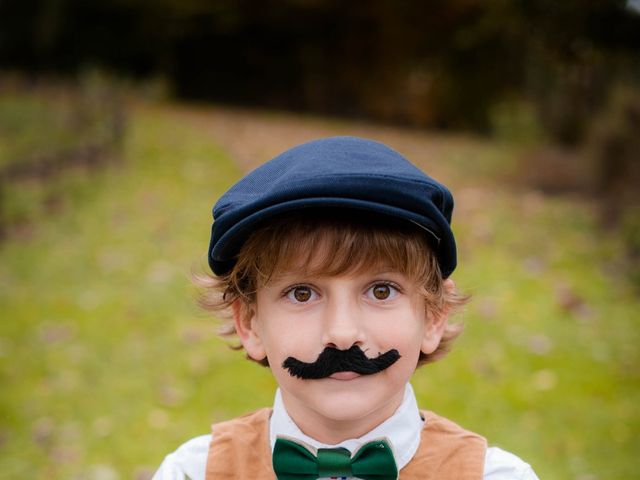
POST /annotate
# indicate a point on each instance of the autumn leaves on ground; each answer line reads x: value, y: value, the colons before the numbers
x: 106, y: 364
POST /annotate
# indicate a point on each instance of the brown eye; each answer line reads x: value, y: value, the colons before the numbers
x: 302, y: 294
x: 381, y: 292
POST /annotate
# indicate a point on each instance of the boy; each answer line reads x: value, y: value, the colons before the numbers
x: 334, y: 259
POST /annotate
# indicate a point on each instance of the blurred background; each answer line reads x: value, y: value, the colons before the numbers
x: 122, y: 122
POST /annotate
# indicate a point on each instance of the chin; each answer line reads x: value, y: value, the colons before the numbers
x: 345, y: 414
x: 355, y: 398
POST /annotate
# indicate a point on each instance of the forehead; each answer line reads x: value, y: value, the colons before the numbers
x: 332, y: 245
x: 323, y: 262
x: 332, y: 254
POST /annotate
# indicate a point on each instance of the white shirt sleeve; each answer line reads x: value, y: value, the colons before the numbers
x: 501, y: 465
x: 189, y: 462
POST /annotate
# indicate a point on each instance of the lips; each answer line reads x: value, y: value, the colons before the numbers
x: 344, y: 375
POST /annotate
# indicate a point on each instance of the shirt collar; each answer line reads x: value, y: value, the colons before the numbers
x: 402, y: 429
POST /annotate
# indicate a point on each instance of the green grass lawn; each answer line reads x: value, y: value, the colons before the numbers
x: 107, y: 365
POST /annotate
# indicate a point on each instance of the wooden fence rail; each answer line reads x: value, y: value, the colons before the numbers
x: 46, y: 166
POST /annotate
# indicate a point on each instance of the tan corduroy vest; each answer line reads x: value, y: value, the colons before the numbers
x: 240, y: 450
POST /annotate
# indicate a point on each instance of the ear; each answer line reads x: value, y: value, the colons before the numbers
x: 436, y: 324
x: 244, y: 318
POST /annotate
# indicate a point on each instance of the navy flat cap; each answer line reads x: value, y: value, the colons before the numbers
x: 338, y: 172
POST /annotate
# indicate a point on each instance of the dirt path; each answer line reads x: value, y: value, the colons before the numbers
x: 253, y: 136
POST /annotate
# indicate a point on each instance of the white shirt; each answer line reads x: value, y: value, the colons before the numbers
x: 402, y: 430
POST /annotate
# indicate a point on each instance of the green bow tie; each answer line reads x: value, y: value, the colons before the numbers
x: 374, y: 461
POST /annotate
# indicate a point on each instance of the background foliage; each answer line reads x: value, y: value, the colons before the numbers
x: 107, y: 365
x: 530, y: 111
x: 435, y: 63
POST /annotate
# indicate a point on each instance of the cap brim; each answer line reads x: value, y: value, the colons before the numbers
x: 222, y: 257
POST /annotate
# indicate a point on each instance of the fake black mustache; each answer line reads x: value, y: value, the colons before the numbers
x: 332, y: 360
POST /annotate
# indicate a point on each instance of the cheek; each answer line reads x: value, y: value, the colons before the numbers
x: 406, y: 337
x: 283, y: 343
x: 410, y: 351
x: 405, y: 326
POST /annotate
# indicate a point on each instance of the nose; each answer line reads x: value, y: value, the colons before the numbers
x: 342, y: 324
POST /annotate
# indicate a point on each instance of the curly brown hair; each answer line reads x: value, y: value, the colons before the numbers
x: 357, y: 241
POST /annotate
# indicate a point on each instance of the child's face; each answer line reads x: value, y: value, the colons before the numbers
x: 298, y: 316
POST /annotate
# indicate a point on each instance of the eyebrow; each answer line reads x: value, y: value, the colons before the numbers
x: 303, y: 275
